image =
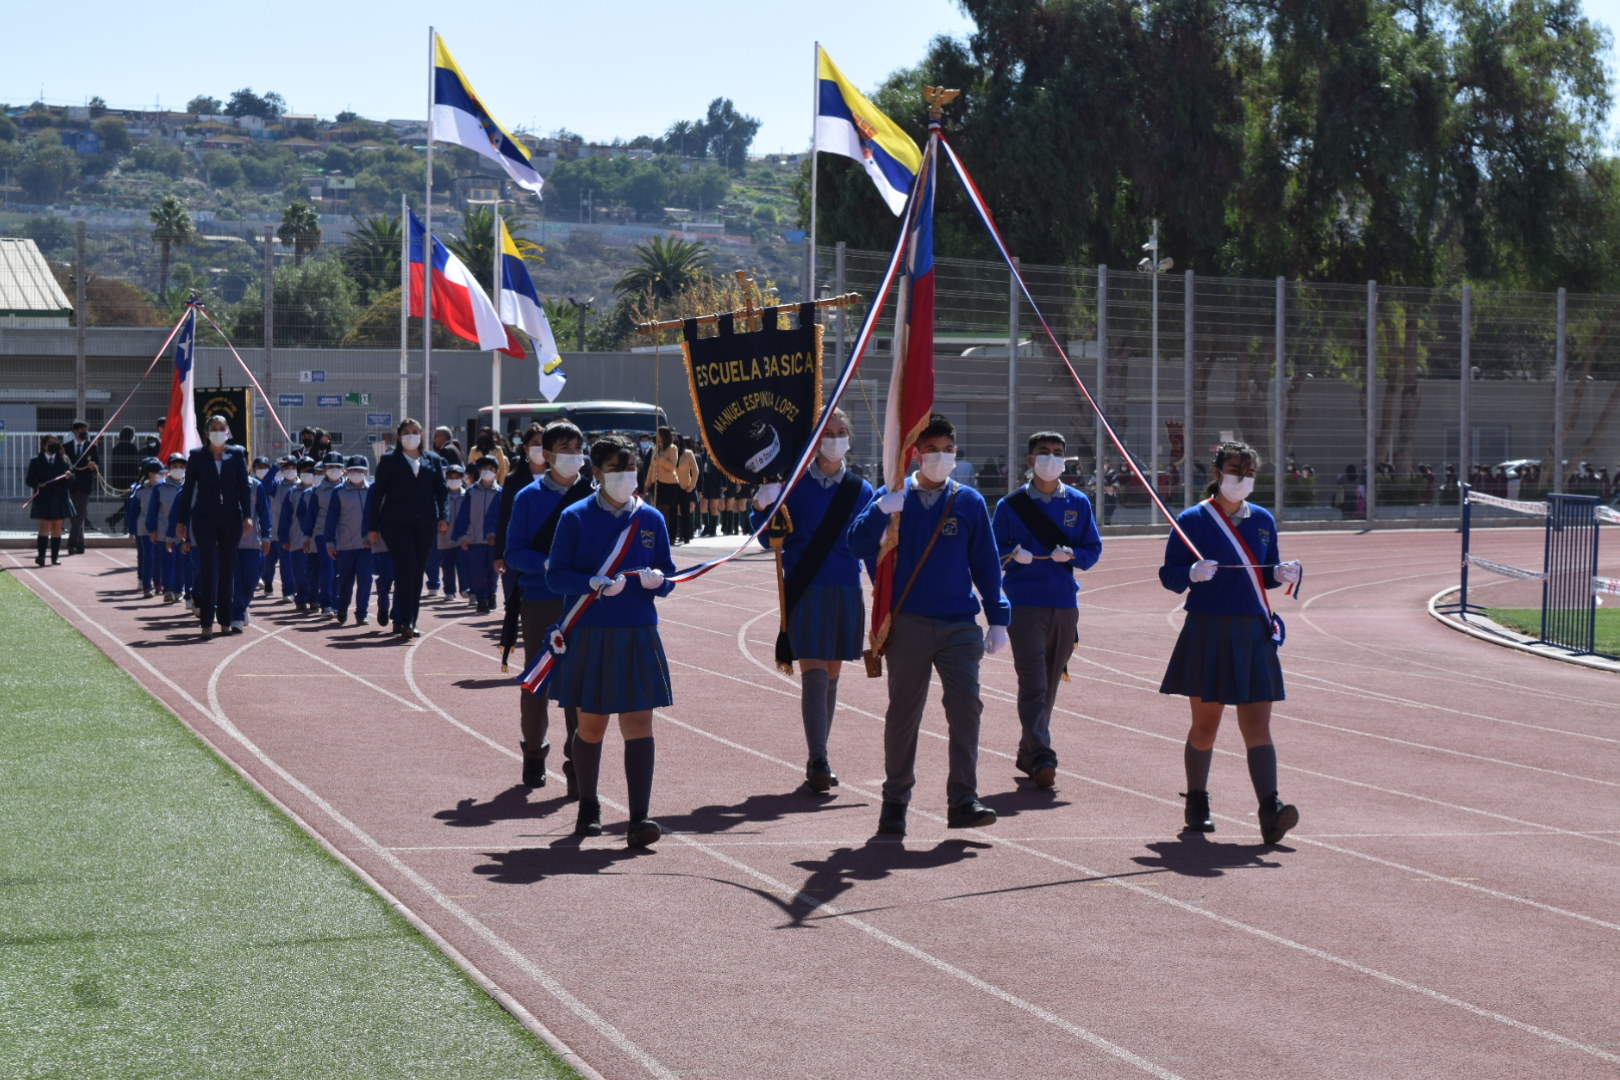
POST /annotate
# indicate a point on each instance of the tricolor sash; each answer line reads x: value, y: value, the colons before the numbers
x: 545, y: 664
x: 1248, y: 566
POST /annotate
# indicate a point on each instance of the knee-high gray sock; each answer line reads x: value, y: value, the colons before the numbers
x: 813, y: 709
x: 638, y: 775
x: 1263, y: 770
x: 1197, y: 763
x: 832, y: 702
x: 587, y: 767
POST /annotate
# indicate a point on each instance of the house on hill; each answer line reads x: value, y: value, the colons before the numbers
x: 29, y: 294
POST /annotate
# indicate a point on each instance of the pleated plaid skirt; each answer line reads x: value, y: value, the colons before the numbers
x: 613, y: 669
x: 827, y: 623
x: 1226, y: 658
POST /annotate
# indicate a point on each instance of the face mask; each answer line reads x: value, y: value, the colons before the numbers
x: 567, y: 464
x: 1236, y: 488
x: 334, y: 475
x: 937, y: 468
x: 487, y: 479
x: 619, y: 486
x: 537, y: 455
x: 177, y: 475
x: 52, y: 448
x: 260, y: 474
x: 289, y: 475
x: 219, y: 438
x: 410, y: 442
x: 357, y: 478
x: 645, y: 447
x: 307, y: 479
x: 834, y: 449
x: 1048, y: 466
x: 454, y: 483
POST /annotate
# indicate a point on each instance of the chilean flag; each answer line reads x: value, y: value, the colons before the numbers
x: 180, y: 435
x: 459, y: 301
x: 911, y: 384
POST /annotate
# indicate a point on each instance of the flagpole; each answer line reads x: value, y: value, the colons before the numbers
x: 495, y: 424
x: 427, y: 252
x: 809, y: 292
x: 404, y: 307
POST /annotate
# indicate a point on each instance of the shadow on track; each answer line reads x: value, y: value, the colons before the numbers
x: 1191, y: 855
x: 510, y: 805
x: 562, y: 857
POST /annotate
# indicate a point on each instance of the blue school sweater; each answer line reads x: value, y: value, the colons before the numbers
x: 478, y: 516
x: 807, y: 504
x: 531, y: 509
x: 1226, y: 593
x: 963, y: 560
x: 586, y: 532
x: 160, y: 512
x: 1044, y: 583
x: 348, y: 518
x: 138, y: 507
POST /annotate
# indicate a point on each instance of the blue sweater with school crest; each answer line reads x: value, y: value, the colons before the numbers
x: 807, y: 505
x: 586, y: 533
x: 963, y: 561
x: 1227, y: 593
x: 532, y: 507
x: 1044, y: 583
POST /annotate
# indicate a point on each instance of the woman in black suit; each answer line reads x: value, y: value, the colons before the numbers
x: 214, y: 511
x: 406, y: 506
x: 50, y: 477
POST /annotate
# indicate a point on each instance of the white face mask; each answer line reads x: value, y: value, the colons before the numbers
x: 260, y: 474
x: 219, y: 438
x: 454, y: 483
x: 307, y: 479
x: 487, y: 479
x: 619, y: 486
x: 537, y: 455
x: 937, y: 468
x: 289, y: 474
x: 411, y: 441
x: 567, y: 465
x: 834, y: 449
x: 334, y: 475
x: 1048, y: 466
x: 357, y: 478
x: 177, y: 475
x: 1236, y: 488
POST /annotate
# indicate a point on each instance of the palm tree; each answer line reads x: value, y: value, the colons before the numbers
x: 372, y: 256
x: 171, y: 227
x: 300, y: 228
x: 477, y: 241
x: 677, y: 135
x: 668, y: 266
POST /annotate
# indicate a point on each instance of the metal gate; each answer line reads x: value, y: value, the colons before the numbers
x: 1568, y: 609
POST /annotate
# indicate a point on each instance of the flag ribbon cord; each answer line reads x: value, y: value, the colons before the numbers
x: 995, y: 234
x: 269, y: 408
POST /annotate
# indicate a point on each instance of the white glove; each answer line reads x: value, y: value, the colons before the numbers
x: 1202, y: 570
x: 1062, y: 554
x: 651, y: 578
x: 1289, y: 572
x: 598, y: 583
x: 1020, y: 556
x: 608, y: 586
x: 995, y: 639
x: 890, y: 502
x: 766, y: 496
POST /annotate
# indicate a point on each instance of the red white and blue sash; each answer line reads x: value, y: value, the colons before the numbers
x: 1250, y: 567
x: 545, y: 664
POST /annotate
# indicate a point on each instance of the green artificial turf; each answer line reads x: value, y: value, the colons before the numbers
x: 159, y: 918
x: 1528, y: 621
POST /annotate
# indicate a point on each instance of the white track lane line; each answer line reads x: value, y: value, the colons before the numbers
x: 506, y: 949
x: 1145, y: 891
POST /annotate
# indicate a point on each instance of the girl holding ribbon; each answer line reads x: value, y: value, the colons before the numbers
x: 1227, y: 651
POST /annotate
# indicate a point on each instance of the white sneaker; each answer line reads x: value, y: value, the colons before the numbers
x: 237, y: 624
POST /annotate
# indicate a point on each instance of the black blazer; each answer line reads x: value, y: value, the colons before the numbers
x: 211, y: 494
x: 82, y: 454
x: 403, y: 499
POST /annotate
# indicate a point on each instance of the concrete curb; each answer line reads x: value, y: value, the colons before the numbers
x: 1486, y: 630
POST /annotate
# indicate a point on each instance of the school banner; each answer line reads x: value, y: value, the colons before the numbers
x: 235, y: 404
x: 757, y: 394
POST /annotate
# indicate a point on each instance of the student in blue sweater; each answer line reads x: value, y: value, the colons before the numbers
x: 536, y: 511
x: 347, y: 540
x: 290, y: 532
x: 822, y: 586
x: 614, y: 660
x: 148, y: 564
x: 1045, y: 531
x: 474, y: 526
x: 934, y: 627
x: 1227, y: 651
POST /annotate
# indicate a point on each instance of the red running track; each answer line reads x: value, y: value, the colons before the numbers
x: 1448, y: 906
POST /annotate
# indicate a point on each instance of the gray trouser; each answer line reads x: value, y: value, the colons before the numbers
x: 537, y: 617
x: 1042, y: 640
x: 917, y: 646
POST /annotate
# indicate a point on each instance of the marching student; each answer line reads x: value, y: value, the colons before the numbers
x: 213, y: 513
x: 160, y: 530
x: 712, y: 486
x: 323, y: 568
x: 536, y: 511
x: 822, y: 586
x: 250, y: 554
x: 476, y: 521
x: 406, y: 510
x: 613, y: 660
x: 51, y: 478
x: 1045, y: 531
x: 345, y: 540
x: 284, y: 485
x: 526, y: 467
x: 148, y: 566
x: 946, y: 553
x: 1227, y: 651
x: 445, y: 560
x: 290, y: 532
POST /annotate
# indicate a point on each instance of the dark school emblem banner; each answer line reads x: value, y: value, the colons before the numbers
x: 757, y: 394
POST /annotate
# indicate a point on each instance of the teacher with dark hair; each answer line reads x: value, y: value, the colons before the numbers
x: 406, y: 507
x: 213, y: 512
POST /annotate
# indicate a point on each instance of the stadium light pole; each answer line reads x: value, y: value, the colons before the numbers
x: 581, y: 308
x: 1152, y: 264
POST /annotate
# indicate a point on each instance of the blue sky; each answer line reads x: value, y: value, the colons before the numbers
x: 606, y: 69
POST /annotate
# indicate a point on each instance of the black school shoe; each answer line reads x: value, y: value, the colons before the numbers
x: 643, y: 833
x: 589, y: 822
x: 534, y: 765
x: 342, y: 618
x: 1041, y: 768
x: 1276, y: 818
x: 819, y: 775
x: 969, y: 815
x: 892, y: 819
x: 1197, y: 815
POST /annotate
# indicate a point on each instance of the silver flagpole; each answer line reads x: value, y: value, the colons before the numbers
x: 809, y: 292
x: 404, y: 307
x: 495, y: 424
x: 427, y: 254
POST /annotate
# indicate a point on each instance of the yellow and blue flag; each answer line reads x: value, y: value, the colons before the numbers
x: 848, y: 124
x: 521, y: 307
x: 460, y: 118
